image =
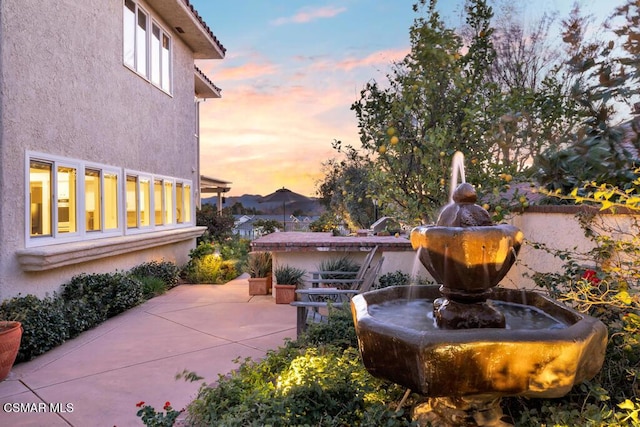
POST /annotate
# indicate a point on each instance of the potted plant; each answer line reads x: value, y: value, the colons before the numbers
x: 288, y: 279
x: 259, y: 269
x: 10, y: 336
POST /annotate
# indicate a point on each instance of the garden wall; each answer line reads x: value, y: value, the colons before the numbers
x: 558, y: 228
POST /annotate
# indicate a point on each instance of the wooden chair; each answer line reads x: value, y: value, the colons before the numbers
x: 343, y: 279
x: 314, y: 303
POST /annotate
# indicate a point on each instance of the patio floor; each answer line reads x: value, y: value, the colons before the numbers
x: 99, y: 376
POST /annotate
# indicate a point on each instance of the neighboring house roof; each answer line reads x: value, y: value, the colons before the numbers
x: 190, y: 27
x: 205, y: 87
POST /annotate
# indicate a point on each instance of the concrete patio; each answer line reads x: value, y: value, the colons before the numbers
x: 98, y: 377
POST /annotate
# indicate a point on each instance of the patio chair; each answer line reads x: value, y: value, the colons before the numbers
x: 314, y: 303
x: 343, y: 279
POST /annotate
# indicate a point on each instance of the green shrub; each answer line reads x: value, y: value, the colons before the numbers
x: 288, y: 275
x: 397, y: 278
x: 319, y: 386
x: 151, y: 286
x: 84, y: 302
x: 43, y: 322
x: 203, y: 248
x: 326, y: 222
x: 210, y: 269
x: 339, y: 330
x: 259, y: 264
x: 235, y: 249
x: 318, y: 380
x: 340, y: 263
x: 94, y: 298
x: 165, y: 270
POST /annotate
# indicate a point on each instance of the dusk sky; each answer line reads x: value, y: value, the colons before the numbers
x: 291, y: 72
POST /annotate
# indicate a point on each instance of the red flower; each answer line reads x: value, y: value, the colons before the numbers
x: 167, y: 405
x: 591, y: 276
x: 139, y: 404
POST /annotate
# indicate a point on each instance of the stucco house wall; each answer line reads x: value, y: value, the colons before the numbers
x: 65, y: 92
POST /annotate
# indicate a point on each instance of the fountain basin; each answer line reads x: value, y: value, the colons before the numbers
x: 471, y: 259
x: 487, y: 362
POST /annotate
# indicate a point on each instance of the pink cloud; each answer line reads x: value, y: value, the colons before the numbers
x: 383, y: 57
x: 308, y: 14
x: 263, y: 140
x: 246, y: 71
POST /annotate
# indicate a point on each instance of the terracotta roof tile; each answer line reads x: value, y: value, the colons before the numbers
x: 205, y: 26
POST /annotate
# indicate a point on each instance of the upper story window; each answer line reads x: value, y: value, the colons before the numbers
x: 76, y: 200
x: 146, y: 46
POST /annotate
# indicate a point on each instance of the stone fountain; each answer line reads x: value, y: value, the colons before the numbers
x: 467, y: 343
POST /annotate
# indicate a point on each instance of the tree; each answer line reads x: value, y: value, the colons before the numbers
x: 605, y: 77
x: 532, y: 107
x: 219, y: 226
x: 434, y: 105
x: 347, y: 187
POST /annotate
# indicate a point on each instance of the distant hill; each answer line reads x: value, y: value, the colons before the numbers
x: 308, y: 205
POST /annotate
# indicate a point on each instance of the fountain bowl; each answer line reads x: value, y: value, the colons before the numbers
x: 480, y: 363
x: 470, y: 259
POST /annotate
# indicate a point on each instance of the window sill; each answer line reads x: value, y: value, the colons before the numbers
x: 49, y: 257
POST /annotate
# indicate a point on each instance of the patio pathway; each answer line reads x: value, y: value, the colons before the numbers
x: 99, y: 376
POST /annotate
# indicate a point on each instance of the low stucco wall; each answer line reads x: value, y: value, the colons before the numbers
x: 41, y: 283
x: 554, y: 227
x: 307, y: 250
x: 558, y: 229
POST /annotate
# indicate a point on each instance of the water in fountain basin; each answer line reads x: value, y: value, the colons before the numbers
x: 417, y: 314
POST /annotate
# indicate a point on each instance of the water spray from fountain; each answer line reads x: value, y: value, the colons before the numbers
x: 457, y: 171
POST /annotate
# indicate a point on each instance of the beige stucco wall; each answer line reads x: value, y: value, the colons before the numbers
x: 557, y: 231
x: 65, y: 92
x: 404, y: 261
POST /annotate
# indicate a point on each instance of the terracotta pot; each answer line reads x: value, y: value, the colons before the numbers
x: 10, y: 336
x: 259, y: 286
x: 285, y: 294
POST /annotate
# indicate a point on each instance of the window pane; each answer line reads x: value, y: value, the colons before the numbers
x: 157, y: 201
x: 166, y: 63
x: 66, y: 196
x: 179, y: 203
x: 129, y: 29
x: 145, y: 203
x: 141, y: 43
x: 40, y: 197
x: 92, y: 199
x: 132, y: 202
x: 155, y: 55
x: 187, y: 203
x: 168, y: 202
x: 110, y: 201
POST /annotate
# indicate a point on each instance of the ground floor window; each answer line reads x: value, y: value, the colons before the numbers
x: 74, y: 199
x: 40, y: 190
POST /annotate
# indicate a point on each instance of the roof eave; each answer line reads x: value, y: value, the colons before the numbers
x: 190, y: 27
x: 204, y: 88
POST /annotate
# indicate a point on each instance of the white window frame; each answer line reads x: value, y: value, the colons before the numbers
x: 163, y: 179
x: 164, y: 80
x: 81, y: 233
x: 139, y: 228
